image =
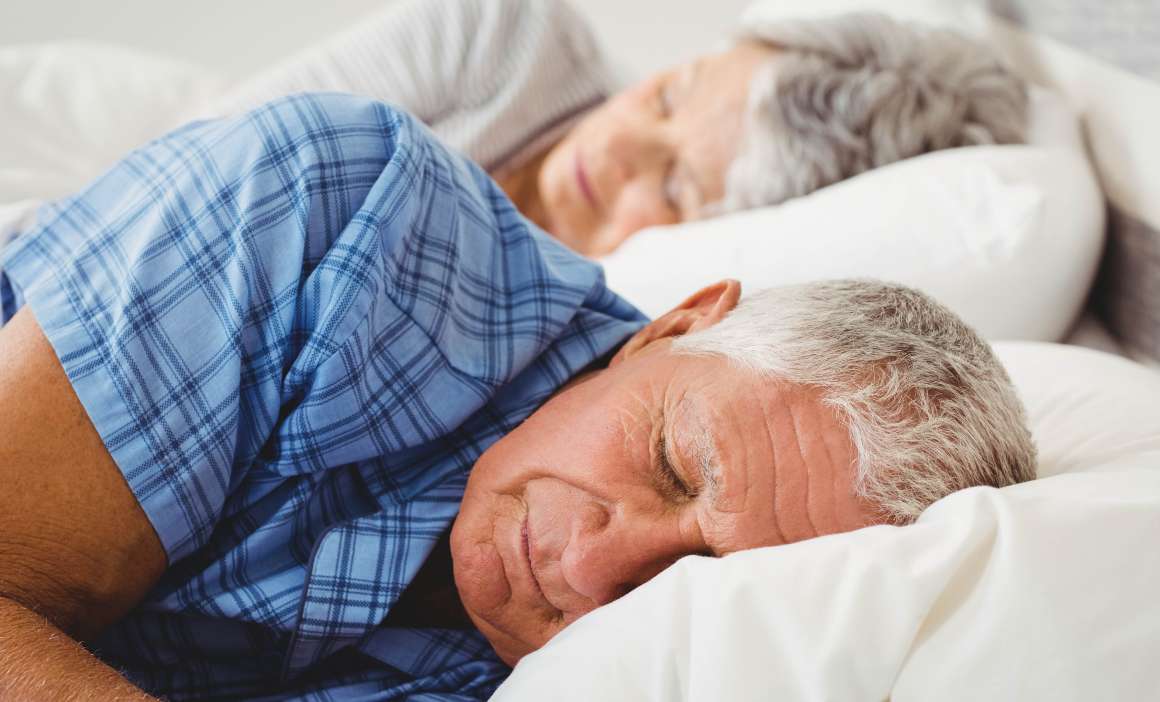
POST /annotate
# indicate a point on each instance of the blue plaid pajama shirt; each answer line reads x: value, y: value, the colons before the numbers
x: 295, y: 331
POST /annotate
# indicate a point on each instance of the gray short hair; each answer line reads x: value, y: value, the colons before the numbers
x: 929, y: 407
x: 858, y: 91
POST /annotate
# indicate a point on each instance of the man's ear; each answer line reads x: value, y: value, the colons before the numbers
x: 702, y: 309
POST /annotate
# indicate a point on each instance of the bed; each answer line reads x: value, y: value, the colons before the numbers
x: 1040, y: 591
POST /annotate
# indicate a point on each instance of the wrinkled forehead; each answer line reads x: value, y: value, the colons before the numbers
x: 777, y: 463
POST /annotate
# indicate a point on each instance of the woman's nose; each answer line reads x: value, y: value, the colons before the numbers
x: 632, y: 147
x: 608, y: 555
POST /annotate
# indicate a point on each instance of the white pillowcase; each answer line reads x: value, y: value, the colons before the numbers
x: 1089, y: 411
x: 1007, y: 236
x: 1039, y: 591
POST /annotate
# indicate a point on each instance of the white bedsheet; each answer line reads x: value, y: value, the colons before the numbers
x: 1040, y: 591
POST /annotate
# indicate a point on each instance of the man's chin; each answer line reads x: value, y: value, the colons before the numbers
x: 487, y: 603
x: 475, y: 566
x: 509, y: 649
x: 512, y: 640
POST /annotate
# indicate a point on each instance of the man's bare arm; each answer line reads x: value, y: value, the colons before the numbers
x: 39, y: 662
x: 76, y: 550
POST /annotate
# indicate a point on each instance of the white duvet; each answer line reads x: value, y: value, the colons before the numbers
x: 1042, y: 591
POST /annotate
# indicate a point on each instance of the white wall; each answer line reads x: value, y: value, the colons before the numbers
x: 235, y: 37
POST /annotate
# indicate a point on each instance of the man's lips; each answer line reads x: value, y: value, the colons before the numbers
x: 526, y: 552
x: 585, y: 186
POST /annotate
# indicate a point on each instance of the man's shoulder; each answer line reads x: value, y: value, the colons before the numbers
x: 329, y: 117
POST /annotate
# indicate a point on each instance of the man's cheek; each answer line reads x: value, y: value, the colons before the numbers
x: 478, y: 571
x: 477, y: 565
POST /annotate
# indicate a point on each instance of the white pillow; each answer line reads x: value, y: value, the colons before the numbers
x: 1039, y: 591
x: 71, y: 109
x: 16, y: 217
x: 1089, y: 410
x: 1007, y: 236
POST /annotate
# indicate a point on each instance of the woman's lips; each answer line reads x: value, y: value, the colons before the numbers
x: 585, y: 186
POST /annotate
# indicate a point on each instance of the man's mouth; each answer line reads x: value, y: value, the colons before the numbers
x: 527, y: 554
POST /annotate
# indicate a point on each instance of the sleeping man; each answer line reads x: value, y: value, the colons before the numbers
x: 297, y: 405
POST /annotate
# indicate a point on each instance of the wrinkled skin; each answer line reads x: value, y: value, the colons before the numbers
x: 575, y: 508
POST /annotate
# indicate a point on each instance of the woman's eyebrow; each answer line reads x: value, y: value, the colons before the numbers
x: 689, y: 172
x: 691, y: 73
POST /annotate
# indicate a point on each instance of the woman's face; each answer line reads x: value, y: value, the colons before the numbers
x: 656, y: 153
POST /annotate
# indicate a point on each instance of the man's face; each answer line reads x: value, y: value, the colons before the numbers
x: 656, y: 153
x: 629, y: 468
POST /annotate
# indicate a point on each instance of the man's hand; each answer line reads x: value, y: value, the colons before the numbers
x: 76, y: 550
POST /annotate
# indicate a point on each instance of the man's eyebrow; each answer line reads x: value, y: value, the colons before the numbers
x: 705, y: 456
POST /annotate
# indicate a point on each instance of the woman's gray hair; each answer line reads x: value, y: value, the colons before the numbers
x: 929, y: 408
x: 856, y: 91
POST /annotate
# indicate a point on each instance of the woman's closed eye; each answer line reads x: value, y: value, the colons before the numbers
x: 665, y: 105
x: 671, y: 188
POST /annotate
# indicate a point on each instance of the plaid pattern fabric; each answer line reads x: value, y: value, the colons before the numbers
x: 295, y: 331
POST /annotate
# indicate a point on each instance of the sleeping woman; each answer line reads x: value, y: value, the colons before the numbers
x: 521, y: 88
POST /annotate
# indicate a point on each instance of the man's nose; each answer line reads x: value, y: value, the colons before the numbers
x: 609, y: 554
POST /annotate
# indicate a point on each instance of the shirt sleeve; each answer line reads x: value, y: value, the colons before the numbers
x: 311, y: 284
